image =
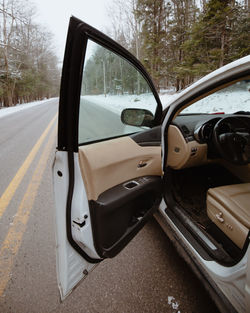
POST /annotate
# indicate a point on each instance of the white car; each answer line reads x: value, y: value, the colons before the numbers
x: 121, y: 159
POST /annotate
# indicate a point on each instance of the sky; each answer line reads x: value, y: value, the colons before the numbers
x: 55, y: 15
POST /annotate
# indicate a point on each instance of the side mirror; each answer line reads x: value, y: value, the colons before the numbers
x: 137, y: 117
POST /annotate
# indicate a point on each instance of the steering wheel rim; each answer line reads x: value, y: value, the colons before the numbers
x: 232, y: 146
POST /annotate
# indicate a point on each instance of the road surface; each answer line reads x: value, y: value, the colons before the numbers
x: 147, y: 276
x: 109, y: 123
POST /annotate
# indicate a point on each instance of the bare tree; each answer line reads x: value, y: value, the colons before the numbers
x: 25, y: 54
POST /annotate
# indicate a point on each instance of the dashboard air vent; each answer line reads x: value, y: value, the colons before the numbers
x: 185, y: 129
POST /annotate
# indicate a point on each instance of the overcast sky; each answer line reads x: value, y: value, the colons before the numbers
x: 55, y: 14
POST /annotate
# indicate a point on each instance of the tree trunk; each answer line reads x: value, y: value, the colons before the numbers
x: 104, y: 78
x: 177, y: 84
x: 222, y: 49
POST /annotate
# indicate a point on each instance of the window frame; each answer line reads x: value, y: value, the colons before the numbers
x: 78, y: 35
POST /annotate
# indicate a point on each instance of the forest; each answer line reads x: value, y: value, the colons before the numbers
x: 28, y: 64
x: 179, y: 41
x: 107, y: 73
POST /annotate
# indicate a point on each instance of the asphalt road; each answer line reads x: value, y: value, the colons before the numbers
x: 88, y: 130
x: 147, y: 276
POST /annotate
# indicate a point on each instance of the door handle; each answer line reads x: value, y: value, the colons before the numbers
x: 142, y: 164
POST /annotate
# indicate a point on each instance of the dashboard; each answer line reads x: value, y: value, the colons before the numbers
x: 190, y: 137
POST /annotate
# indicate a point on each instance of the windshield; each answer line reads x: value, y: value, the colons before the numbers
x: 231, y: 99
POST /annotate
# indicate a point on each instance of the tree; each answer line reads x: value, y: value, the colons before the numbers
x: 10, y: 17
x: 179, y: 41
x: 183, y: 15
x: 219, y: 37
x: 152, y: 14
x: 28, y: 66
x: 107, y: 73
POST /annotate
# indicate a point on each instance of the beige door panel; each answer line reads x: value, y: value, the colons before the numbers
x: 109, y: 163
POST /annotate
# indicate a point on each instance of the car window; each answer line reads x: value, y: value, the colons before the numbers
x: 110, y: 84
x: 231, y: 99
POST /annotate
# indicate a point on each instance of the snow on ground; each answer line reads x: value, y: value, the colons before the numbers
x: 21, y: 107
x: 222, y: 101
x: 228, y: 100
x: 173, y: 304
x: 117, y: 103
x: 167, y: 97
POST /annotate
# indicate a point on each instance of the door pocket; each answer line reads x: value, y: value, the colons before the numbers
x: 121, y: 211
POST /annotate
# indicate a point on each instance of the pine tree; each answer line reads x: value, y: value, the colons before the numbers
x: 180, y: 41
x: 183, y: 16
x: 152, y: 15
x: 220, y: 36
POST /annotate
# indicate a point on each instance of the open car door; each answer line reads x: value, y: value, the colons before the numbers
x: 107, y: 169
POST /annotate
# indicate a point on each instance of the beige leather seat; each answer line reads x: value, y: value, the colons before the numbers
x: 229, y: 208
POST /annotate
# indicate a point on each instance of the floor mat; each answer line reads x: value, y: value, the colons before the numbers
x: 189, y: 187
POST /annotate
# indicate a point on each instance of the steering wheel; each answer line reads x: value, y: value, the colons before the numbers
x: 233, y: 145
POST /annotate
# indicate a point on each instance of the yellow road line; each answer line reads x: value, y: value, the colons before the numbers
x: 13, y: 185
x: 15, y: 234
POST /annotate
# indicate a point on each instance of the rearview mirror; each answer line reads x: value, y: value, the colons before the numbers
x: 137, y: 117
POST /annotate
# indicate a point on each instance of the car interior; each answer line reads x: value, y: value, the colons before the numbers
x: 207, y: 175
x: 206, y: 182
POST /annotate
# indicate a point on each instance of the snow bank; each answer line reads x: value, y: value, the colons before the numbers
x: 21, y: 107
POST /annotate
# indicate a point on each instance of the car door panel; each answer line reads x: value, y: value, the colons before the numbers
x: 123, y: 183
x: 109, y: 163
x: 105, y: 188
